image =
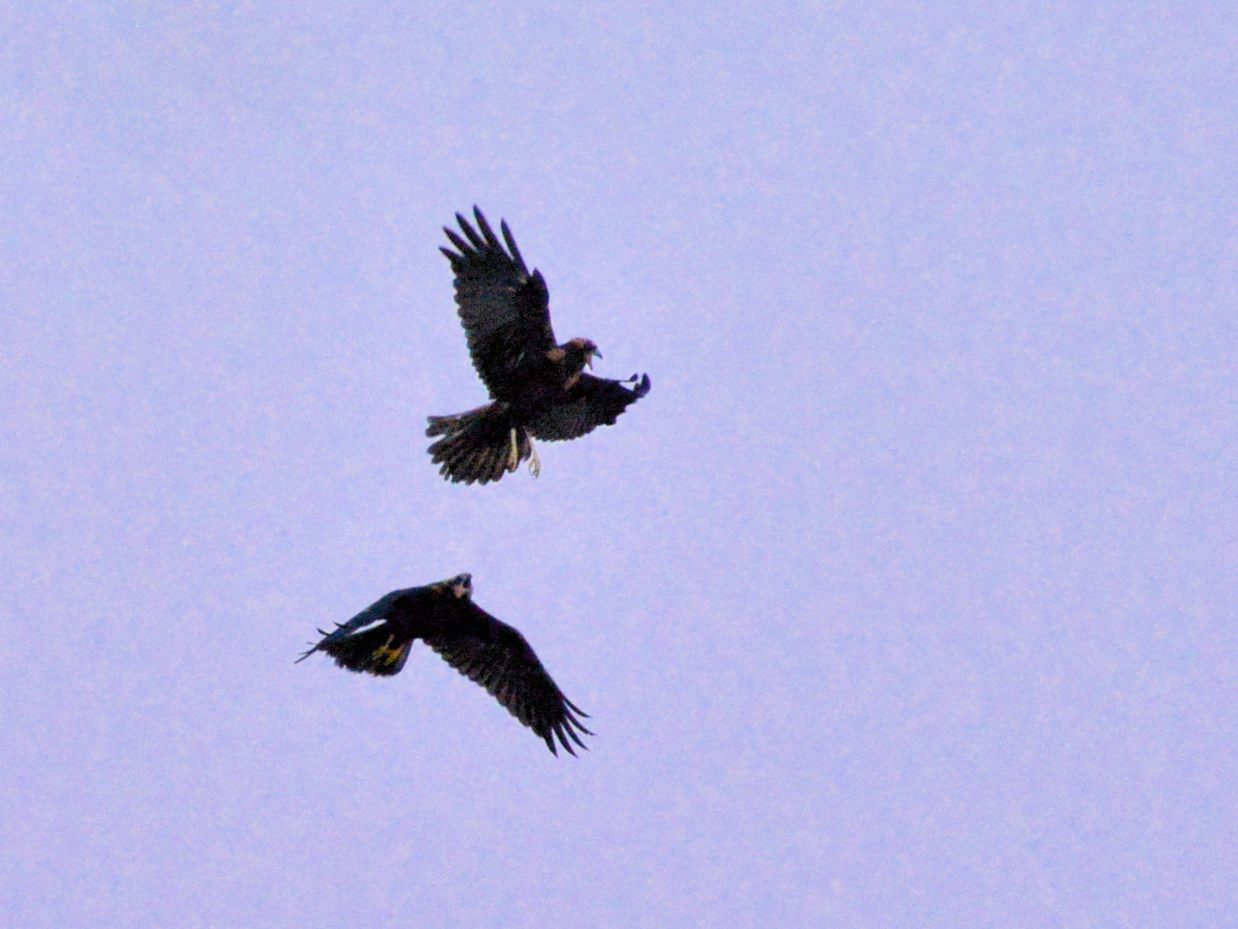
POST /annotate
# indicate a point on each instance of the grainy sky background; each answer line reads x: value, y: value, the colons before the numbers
x: 906, y: 599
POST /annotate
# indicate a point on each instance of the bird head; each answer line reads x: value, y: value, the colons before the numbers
x: 461, y: 586
x: 583, y: 349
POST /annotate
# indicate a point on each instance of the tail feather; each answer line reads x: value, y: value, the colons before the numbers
x: 497, y: 463
x: 445, y: 425
x: 476, y: 445
x: 374, y: 651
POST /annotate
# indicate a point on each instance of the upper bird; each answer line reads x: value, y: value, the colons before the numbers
x: 378, y: 639
x: 539, y: 389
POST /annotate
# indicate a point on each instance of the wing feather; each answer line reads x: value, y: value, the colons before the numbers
x: 500, y: 659
x: 592, y: 402
x: 505, y: 309
x: 511, y: 246
x: 479, y: 243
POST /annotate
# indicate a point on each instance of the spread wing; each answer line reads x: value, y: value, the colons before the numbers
x: 505, y: 309
x: 592, y: 402
x: 497, y: 657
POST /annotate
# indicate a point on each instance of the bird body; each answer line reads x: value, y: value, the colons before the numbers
x: 539, y: 389
x: 378, y: 641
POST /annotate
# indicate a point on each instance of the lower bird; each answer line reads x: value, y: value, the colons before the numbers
x: 486, y: 650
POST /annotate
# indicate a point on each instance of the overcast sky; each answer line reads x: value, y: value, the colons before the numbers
x: 905, y: 599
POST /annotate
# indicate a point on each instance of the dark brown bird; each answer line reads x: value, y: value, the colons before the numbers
x: 443, y: 615
x: 539, y: 389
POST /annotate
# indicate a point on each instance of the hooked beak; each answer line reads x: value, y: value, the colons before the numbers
x: 593, y: 354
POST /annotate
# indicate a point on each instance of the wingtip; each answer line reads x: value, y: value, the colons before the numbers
x: 484, y: 225
x: 511, y: 246
x: 640, y: 383
x: 576, y: 738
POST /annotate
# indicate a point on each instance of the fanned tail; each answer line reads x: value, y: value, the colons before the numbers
x: 479, y: 446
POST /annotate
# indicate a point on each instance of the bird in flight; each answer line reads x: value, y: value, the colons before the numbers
x: 538, y: 388
x: 443, y: 615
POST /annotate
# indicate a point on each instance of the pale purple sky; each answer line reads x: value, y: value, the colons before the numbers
x: 906, y: 599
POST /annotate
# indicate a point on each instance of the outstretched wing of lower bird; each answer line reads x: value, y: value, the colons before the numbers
x: 496, y: 656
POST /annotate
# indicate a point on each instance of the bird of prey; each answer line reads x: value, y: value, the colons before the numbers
x: 539, y: 389
x: 443, y: 615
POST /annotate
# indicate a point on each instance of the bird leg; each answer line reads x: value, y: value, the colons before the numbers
x: 535, y: 463
x: 513, y: 454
